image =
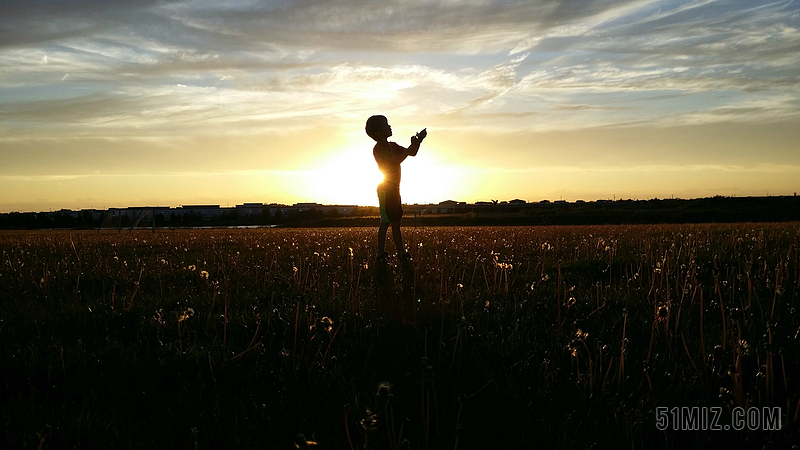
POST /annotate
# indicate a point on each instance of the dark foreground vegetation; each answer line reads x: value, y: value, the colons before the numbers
x: 495, y: 337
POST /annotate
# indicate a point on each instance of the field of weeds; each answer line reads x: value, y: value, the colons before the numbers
x: 494, y: 337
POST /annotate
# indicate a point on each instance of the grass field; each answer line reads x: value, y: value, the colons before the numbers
x: 495, y: 337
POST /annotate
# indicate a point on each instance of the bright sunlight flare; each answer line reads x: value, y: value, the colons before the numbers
x: 350, y: 176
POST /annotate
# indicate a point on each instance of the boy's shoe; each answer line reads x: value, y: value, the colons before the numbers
x: 381, y: 259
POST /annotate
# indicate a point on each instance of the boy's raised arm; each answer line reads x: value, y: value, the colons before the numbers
x: 403, y: 153
x: 395, y: 158
x: 416, y: 140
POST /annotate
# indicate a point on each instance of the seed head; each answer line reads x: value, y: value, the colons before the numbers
x: 663, y: 313
x: 370, y: 422
x: 384, y: 390
x: 326, y: 323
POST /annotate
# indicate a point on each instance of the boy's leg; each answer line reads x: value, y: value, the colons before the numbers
x: 382, y: 237
x: 384, y: 225
x: 398, y: 238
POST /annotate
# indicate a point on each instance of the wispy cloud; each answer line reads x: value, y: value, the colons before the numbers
x: 320, y: 53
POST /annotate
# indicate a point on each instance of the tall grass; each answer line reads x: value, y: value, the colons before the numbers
x: 566, y: 337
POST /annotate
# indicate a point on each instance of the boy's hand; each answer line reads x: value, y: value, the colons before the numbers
x: 417, y: 139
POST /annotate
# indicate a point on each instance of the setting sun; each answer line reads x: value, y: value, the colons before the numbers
x: 426, y: 180
x: 350, y: 176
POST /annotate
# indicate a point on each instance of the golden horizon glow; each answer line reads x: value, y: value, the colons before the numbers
x: 349, y: 175
x: 346, y: 176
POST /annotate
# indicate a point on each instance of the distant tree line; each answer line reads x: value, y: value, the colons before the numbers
x: 706, y: 210
x: 84, y: 220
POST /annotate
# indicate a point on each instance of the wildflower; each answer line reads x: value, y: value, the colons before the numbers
x: 370, y: 422
x: 185, y: 315
x: 384, y: 390
x: 192, y: 267
x: 326, y: 323
x: 300, y: 442
x: 159, y: 317
x: 663, y: 313
x: 572, y: 350
x: 204, y: 274
x: 760, y: 376
x: 744, y: 348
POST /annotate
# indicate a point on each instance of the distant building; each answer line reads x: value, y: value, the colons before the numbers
x: 93, y: 213
x: 206, y: 212
x: 250, y: 209
x: 447, y: 207
x: 339, y: 210
x: 69, y: 212
x: 306, y: 206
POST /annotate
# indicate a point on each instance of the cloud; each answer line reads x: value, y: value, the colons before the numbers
x: 330, y: 24
x: 294, y: 92
x: 170, y: 174
x: 33, y: 22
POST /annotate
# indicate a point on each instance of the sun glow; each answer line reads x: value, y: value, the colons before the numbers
x: 426, y: 180
x: 351, y: 176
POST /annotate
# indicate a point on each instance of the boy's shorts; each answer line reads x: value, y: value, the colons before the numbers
x: 389, y: 201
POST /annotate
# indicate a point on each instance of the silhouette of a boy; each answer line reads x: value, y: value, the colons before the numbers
x: 389, y: 155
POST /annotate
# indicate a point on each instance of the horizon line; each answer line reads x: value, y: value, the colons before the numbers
x: 517, y: 201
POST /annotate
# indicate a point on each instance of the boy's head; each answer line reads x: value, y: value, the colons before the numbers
x: 378, y: 128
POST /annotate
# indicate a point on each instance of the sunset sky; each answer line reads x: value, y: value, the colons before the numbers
x: 113, y: 103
